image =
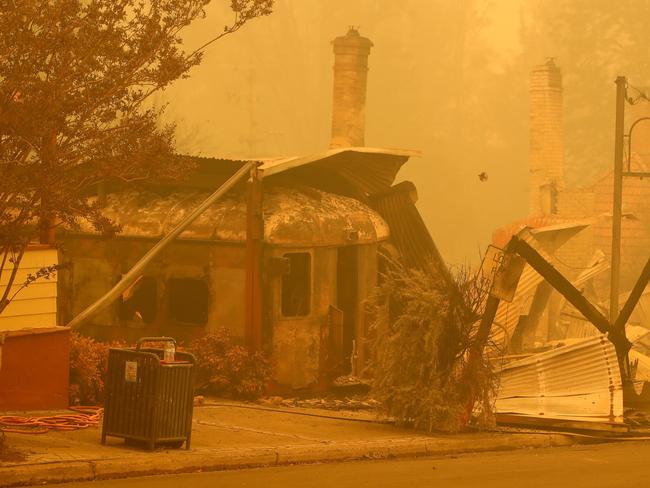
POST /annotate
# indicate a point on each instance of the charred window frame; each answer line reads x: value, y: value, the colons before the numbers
x: 188, y: 300
x: 296, y: 285
x: 139, y: 302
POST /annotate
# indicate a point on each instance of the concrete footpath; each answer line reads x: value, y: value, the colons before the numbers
x: 237, y: 435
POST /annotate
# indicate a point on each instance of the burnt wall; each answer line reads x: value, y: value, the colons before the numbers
x: 94, y: 265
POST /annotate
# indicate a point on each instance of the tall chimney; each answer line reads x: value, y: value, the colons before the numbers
x: 349, y: 95
x: 546, y: 138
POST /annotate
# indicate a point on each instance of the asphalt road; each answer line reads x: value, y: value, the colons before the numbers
x: 625, y: 464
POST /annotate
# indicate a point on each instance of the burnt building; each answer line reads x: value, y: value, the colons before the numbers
x: 583, y: 211
x: 285, y: 261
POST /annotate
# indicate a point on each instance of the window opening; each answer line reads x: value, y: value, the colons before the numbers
x: 140, y: 301
x: 296, y: 285
x: 188, y: 300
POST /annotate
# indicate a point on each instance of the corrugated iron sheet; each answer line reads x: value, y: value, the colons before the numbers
x: 365, y: 170
x: 508, y: 314
x: 408, y: 231
x: 580, y: 380
x: 352, y: 171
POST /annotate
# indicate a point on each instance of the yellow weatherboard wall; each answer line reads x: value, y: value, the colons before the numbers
x: 35, y: 305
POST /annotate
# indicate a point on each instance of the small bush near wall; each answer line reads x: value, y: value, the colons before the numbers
x: 222, y: 368
x: 226, y: 369
x: 88, y: 365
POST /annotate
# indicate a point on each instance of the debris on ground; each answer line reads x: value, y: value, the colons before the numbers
x: 329, y: 402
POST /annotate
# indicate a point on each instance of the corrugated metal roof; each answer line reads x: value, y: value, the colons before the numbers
x: 581, y: 379
x: 352, y: 171
x: 365, y: 170
x: 409, y: 233
x: 292, y: 217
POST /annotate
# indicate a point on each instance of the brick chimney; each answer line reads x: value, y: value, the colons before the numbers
x: 349, y: 95
x: 546, y: 138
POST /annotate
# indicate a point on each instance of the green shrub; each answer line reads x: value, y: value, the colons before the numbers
x: 227, y: 369
x: 425, y: 327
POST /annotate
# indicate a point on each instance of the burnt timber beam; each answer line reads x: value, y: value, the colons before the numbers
x: 542, y: 265
x: 523, y: 246
x: 485, y: 326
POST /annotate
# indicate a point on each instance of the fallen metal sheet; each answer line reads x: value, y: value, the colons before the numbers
x: 408, y: 232
x: 577, y: 381
x: 508, y: 314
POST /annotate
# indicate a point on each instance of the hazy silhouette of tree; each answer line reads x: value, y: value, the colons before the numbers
x: 594, y: 41
x: 74, y: 79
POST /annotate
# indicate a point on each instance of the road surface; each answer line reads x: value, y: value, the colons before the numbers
x: 625, y: 464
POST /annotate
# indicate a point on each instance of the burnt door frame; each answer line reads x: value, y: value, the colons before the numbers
x: 347, y: 300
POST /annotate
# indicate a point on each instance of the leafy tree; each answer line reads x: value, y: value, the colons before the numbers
x: 75, y: 77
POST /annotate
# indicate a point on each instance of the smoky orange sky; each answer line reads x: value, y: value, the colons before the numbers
x: 441, y: 81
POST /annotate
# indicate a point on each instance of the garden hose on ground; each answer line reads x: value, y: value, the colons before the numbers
x: 83, y: 418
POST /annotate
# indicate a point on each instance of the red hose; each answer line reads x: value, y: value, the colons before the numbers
x: 83, y: 417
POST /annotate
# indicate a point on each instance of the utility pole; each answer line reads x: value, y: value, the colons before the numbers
x: 621, y: 89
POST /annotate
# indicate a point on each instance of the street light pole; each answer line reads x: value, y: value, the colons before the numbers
x: 621, y: 88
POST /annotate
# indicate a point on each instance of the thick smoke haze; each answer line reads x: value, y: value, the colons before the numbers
x: 447, y: 77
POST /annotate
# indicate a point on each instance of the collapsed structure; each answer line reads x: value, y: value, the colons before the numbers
x: 585, y: 257
x: 284, y: 261
x: 576, y: 359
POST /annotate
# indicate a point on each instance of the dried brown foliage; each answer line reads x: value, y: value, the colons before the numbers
x: 75, y: 76
x: 227, y: 369
x: 425, y: 331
